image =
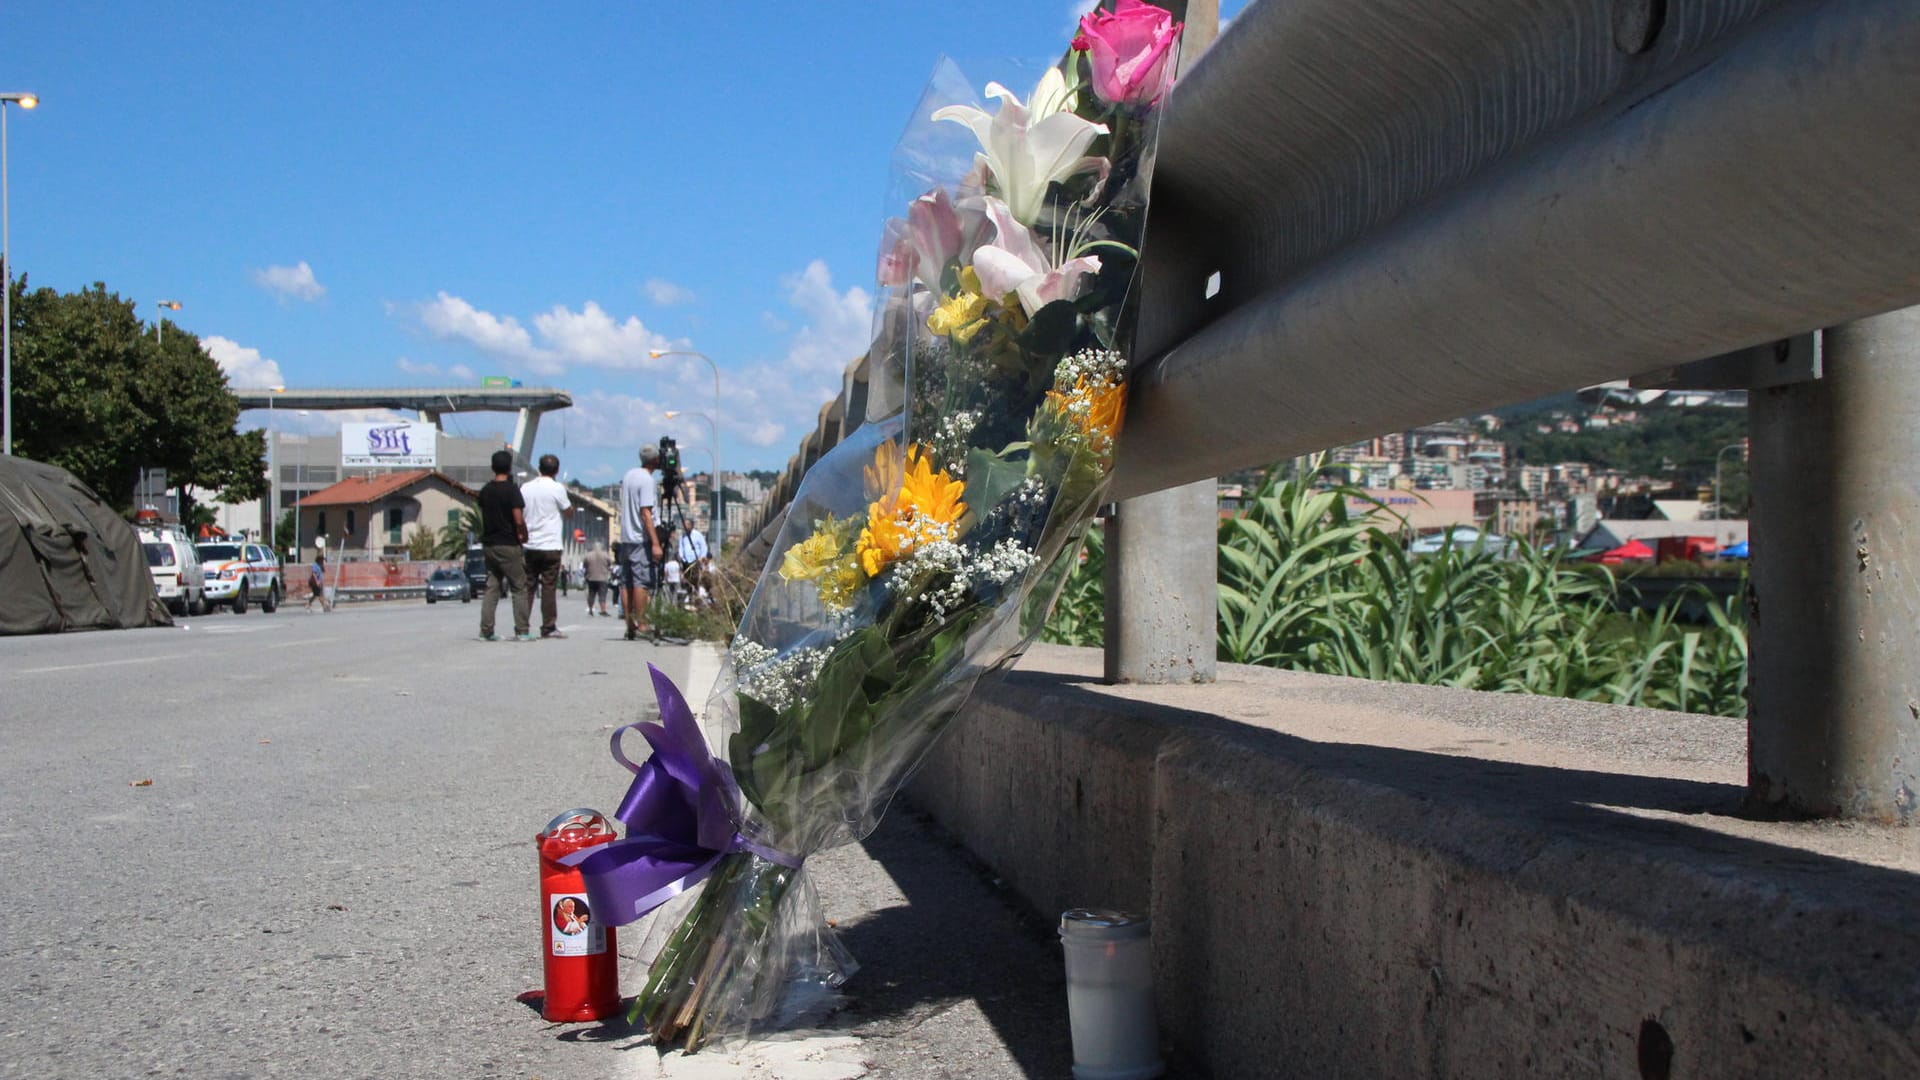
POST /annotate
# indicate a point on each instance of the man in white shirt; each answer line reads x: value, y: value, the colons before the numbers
x: 547, y: 507
x: 638, y: 552
x: 696, y: 561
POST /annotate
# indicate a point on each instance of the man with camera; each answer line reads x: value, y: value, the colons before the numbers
x: 639, y: 552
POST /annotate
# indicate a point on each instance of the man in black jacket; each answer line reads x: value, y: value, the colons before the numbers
x: 503, y: 535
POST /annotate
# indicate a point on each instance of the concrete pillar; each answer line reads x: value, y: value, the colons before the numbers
x: 1162, y: 556
x: 526, y: 427
x: 1835, y: 607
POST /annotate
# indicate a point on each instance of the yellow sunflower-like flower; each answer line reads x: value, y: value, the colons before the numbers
x: 931, y: 493
x: 926, y: 509
x: 883, y: 476
x: 964, y: 314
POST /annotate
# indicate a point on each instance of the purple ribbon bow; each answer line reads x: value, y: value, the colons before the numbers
x: 678, y: 813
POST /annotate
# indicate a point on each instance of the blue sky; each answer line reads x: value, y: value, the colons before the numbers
x: 372, y: 194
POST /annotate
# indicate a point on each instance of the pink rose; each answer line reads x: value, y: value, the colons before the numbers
x: 1132, y: 51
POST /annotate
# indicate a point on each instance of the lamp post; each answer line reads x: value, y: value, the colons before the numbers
x: 160, y: 318
x: 719, y: 522
x: 25, y: 101
x: 719, y: 478
x: 273, y: 478
x: 1719, y: 509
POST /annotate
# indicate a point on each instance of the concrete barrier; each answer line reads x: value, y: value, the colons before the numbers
x: 1365, y: 879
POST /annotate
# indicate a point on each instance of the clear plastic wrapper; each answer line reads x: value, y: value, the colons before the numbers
x: 924, y: 551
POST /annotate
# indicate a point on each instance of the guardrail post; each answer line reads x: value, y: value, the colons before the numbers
x: 1162, y: 549
x: 1835, y: 606
x: 1161, y: 587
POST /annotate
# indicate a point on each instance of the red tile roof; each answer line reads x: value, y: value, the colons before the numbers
x: 360, y: 490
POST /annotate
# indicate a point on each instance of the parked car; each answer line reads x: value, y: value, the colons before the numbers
x: 1462, y: 538
x: 178, y: 579
x: 240, y: 573
x: 447, y: 583
x: 476, y: 572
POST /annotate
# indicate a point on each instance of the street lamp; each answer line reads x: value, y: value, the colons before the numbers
x: 719, y: 479
x: 719, y: 523
x: 160, y: 318
x: 1719, y: 509
x: 273, y: 478
x: 25, y: 101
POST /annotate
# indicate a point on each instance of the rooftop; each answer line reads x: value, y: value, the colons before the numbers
x: 360, y: 490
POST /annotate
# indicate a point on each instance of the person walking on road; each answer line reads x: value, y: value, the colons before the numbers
x: 547, y: 505
x: 599, y: 568
x: 503, y: 532
x: 317, y: 582
x: 639, y: 552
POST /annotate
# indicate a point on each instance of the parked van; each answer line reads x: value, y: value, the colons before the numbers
x: 178, y: 579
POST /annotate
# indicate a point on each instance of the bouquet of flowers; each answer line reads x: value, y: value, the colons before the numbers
x: 926, y: 548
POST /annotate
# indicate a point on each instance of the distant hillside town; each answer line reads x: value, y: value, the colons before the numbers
x: 1563, y: 469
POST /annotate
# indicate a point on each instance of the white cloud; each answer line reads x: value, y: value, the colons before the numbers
x: 245, y: 368
x: 770, y: 406
x: 502, y: 337
x: 838, y: 325
x: 666, y: 293
x: 294, y: 282
x: 589, y: 337
x: 600, y: 420
x: 458, y: 372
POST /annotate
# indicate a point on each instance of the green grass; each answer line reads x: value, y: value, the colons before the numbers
x: 1305, y: 584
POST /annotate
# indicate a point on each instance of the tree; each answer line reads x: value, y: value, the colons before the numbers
x: 455, y: 535
x: 422, y: 544
x: 99, y: 395
x: 283, y: 532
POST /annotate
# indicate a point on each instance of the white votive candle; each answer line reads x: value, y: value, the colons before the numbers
x: 1110, y: 995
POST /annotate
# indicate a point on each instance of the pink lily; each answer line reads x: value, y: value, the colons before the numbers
x: 1017, y: 263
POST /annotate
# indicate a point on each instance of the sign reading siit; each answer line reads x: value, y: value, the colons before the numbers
x: 388, y: 446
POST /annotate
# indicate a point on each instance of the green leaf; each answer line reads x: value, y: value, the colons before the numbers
x: 1051, y: 330
x: 989, y: 478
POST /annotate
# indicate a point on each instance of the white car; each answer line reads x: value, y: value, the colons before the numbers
x: 239, y: 573
x: 1463, y: 538
x: 178, y: 579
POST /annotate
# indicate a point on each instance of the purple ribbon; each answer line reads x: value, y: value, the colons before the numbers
x: 679, y: 817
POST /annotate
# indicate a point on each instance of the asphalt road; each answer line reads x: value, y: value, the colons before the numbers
x: 332, y: 871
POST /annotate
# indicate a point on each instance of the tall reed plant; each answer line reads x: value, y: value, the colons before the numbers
x: 1317, y: 578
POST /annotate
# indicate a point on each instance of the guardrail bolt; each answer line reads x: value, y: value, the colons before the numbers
x: 1637, y: 24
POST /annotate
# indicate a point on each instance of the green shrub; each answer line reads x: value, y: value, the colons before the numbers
x: 1308, y: 585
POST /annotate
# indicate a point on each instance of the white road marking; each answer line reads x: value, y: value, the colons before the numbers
x: 105, y: 663
x: 305, y: 641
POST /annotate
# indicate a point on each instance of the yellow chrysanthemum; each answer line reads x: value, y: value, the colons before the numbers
x: 926, y: 509
x: 813, y: 556
x: 1094, y: 407
x: 964, y: 314
x: 840, y: 584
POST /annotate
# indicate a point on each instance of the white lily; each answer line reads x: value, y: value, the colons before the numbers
x: 1029, y: 147
x: 1016, y: 262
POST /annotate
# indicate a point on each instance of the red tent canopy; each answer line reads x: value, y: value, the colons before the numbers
x: 1632, y: 550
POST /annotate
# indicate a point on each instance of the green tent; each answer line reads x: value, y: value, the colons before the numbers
x: 67, y: 560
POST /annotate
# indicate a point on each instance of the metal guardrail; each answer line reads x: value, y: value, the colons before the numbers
x: 1420, y: 211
